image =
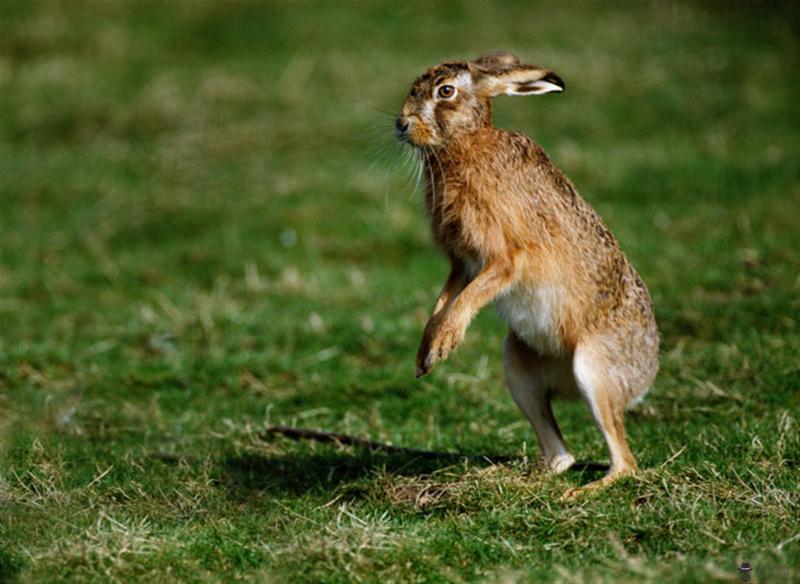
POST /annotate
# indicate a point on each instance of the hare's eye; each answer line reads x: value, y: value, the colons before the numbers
x: 446, y: 92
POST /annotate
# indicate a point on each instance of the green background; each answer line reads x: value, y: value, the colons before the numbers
x: 206, y: 227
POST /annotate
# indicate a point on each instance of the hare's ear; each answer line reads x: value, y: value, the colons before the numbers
x: 497, y: 60
x: 516, y: 80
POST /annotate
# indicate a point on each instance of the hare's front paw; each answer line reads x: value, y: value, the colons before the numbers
x: 437, y: 343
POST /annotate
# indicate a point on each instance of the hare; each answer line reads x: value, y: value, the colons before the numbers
x: 518, y: 234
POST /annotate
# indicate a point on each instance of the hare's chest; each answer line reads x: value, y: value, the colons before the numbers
x: 535, y: 315
x: 447, y: 220
x: 463, y: 230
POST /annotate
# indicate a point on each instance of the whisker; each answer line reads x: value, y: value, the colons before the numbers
x: 432, y: 182
x: 400, y: 164
x: 378, y: 110
x: 410, y: 169
x: 380, y: 154
x: 384, y: 154
x: 419, y: 158
x: 382, y: 128
x: 420, y: 163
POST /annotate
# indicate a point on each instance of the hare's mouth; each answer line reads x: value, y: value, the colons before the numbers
x: 416, y: 134
x: 402, y: 137
x: 403, y: 126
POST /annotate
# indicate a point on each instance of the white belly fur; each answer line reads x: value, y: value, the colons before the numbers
x: 533, y: 314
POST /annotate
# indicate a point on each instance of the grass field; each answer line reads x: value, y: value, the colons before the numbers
x: 206, y: 229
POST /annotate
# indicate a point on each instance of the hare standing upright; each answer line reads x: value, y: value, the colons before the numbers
x: 517, y: 233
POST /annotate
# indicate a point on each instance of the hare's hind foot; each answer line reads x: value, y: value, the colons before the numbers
x: 530, y: 377
x: 559, y: 463
x: 612, y: 476
x: 606, y: 397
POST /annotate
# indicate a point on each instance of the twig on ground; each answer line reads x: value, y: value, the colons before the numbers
x: 347, y: 440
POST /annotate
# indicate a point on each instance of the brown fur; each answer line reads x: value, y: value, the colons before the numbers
x: 516, y: 230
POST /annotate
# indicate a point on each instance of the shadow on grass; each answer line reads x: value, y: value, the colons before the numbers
x: 301, y: 473
x: 320, y: 472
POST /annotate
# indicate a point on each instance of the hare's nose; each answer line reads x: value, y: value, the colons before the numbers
x: 402, y: 124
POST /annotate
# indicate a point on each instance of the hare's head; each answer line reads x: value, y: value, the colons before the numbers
x: 455, y: 98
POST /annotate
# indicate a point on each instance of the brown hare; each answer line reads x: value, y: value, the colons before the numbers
x: 518, y: 234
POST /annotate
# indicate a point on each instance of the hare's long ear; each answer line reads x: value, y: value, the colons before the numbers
x: 498, y: 60
x: 499, y: 76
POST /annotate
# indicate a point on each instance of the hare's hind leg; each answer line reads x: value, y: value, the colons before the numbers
x: 530, y: 377
x: 606, y: 395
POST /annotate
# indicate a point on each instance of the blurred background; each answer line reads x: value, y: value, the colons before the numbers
x: 206, y: 226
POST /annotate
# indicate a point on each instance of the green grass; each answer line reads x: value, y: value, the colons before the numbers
x: 199, y: 239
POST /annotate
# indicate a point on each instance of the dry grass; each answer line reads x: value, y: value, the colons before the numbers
x: 206, y: 229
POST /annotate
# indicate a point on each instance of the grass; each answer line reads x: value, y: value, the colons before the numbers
x: 198, y: 239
